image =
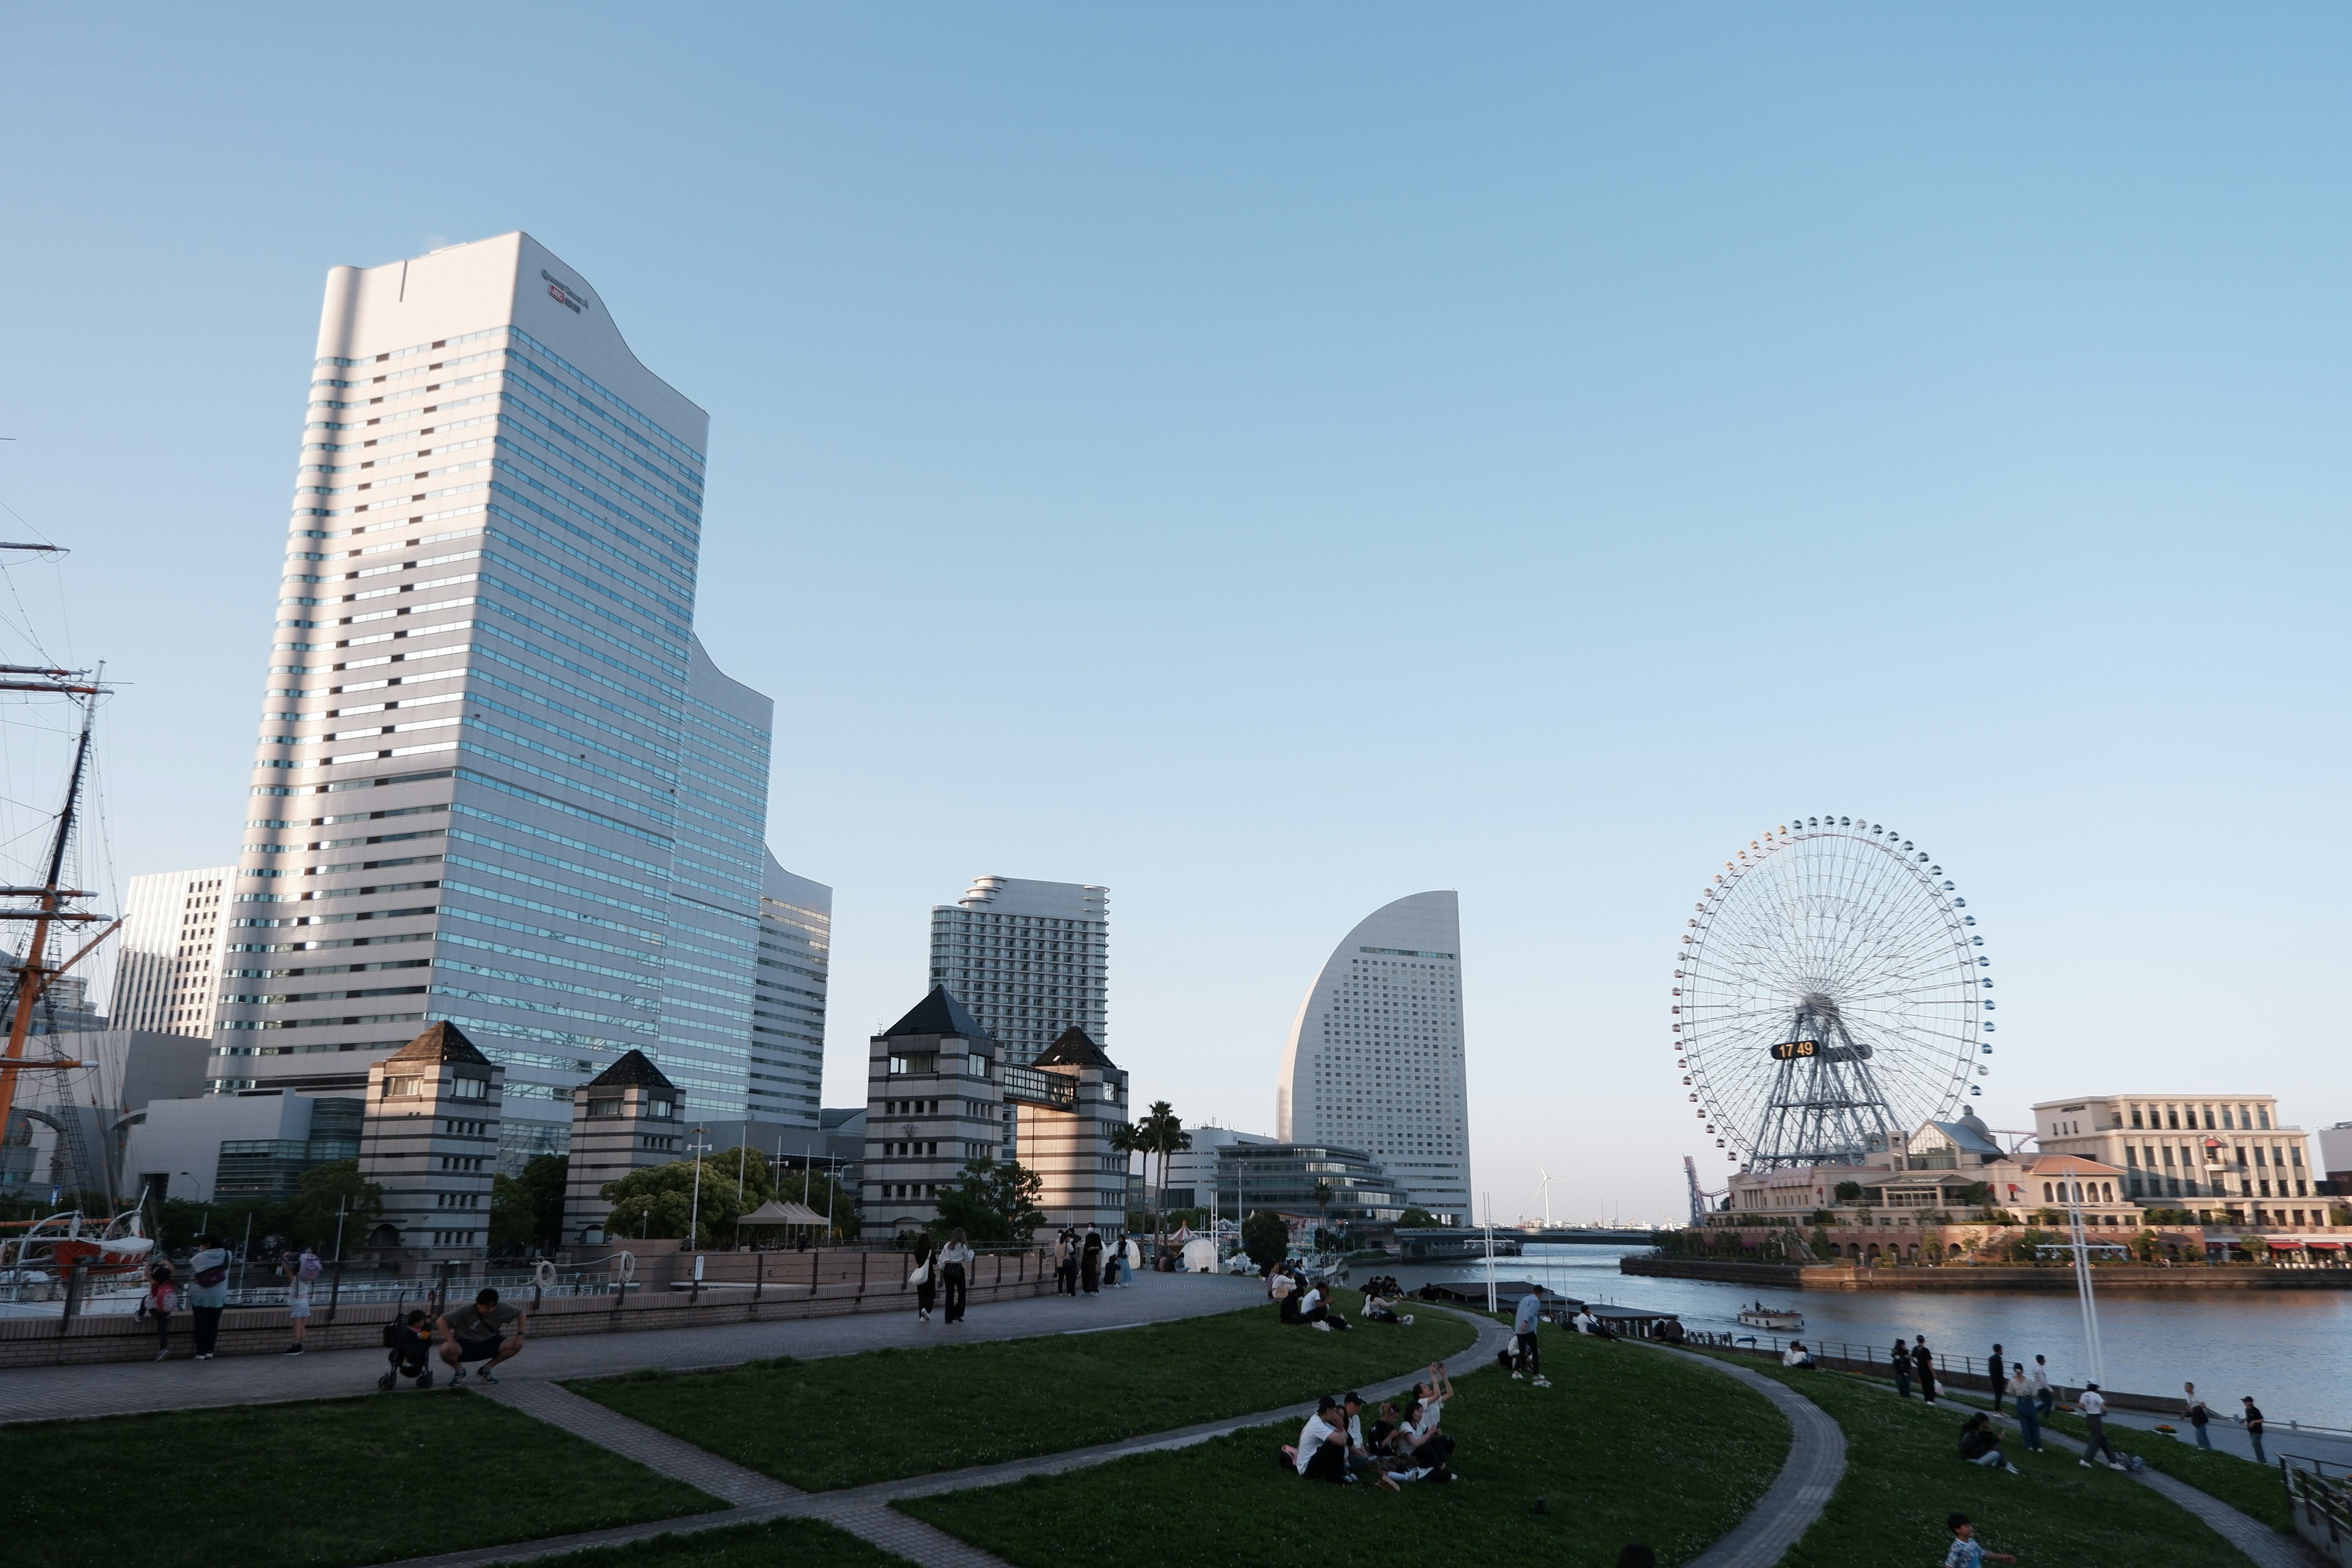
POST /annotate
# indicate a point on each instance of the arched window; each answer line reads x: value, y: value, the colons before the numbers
x: 2045, y: 1193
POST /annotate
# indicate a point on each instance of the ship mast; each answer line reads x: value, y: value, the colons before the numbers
x: 52, y: 903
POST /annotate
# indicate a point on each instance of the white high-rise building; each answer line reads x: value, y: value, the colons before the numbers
x: 788, y: 1001
x: 167, y: 971
x: 500, y: 784
x: 1375, y: 1058
x: 1028, y: 960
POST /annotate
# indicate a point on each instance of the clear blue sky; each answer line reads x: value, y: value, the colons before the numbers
x: 1273, y: 463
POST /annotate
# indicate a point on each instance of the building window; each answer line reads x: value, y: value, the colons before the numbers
x: 471, y: 1088
x: 2263, y: 1117
x: 404, y: 1088
x: 602, y: 1108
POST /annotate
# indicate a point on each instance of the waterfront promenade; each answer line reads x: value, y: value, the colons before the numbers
x: 119, y: 1388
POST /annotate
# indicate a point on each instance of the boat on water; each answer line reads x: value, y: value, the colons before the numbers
x: 49, y: 1250
x: 1772, y: 1319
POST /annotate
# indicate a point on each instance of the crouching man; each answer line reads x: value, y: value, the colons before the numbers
x: 478, y: 1333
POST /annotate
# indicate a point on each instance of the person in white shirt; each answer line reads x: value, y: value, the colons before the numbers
x: 955, y: 1261
x: 1796, y: 1354
x: 1323, y: 1444
x: 2093, y: 1407
x: 2038, y: 1380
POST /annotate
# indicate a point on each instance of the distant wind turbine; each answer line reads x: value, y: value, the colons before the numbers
x: 1544, y: 1188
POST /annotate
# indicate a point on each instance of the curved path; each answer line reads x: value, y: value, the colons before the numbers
x: 863, y: 1511
x: 1815, y: 1465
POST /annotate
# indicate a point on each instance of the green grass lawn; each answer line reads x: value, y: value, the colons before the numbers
x: 317, y: 1485
x: 1904, y: 1474
x: 1626, y: 1446
x: 776, y: 1543
x: 847, y: 1420
x: 2248, y: 1487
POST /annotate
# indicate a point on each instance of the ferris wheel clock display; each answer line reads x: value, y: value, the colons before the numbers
x: 1832, y: 993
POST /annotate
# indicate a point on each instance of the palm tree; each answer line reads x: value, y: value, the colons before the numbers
x: 1126, y: 1138
x: 1161, y: 1132
x: 1323, y: 1202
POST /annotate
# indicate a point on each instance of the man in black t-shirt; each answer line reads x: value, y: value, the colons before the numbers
x: 478, y: 1332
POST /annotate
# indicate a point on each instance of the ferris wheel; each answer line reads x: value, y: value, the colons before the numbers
x: 1832, y: 993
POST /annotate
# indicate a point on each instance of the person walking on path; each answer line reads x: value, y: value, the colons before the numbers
x: 1996, y: 1367
x: 2093, y: 1407
x: 2029, y: 1409
x: 1900, y: 1358
x: 1922, y: 1365
x: 924, y: 1278
x: 478, y: 1333
x: 1066, y: 1265
x: 2197, y: 1412
x: 208, y: 1292
x: 2039, y: 1380
x: 2254, y: 1427
x: 955, y: 1257
x: 163, y: 1296
x: 1090, y: 1262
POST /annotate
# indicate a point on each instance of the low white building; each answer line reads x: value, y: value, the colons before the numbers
x: 2226, y: 1154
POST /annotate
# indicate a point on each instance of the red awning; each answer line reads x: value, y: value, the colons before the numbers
x: 2284, y: 1245
x: 2325, y: 1245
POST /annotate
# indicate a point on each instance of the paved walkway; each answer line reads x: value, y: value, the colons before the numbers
x: 2257, y: 1541
x: 863, y: 1511
x: 1815, y: 1465
x: 122, y: 1388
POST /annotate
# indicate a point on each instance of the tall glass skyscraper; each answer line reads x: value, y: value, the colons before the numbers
x: 499, y: 783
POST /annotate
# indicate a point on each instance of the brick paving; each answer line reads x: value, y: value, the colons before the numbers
x: 1815, y: 1465
x: 123, y: 1388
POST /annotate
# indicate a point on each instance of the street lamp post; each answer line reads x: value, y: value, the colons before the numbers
x: 694, y: 1221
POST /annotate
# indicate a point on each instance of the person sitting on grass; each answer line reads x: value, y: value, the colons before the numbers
x: 1377, y: 1309
x: 478, y: 1333
x: 1314, y: 1308
x: 1965, y: 1552
x: 1798, y: 1355
x: 1979, y: 1444
x: 1321, y: 1454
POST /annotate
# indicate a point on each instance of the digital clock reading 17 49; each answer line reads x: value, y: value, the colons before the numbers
x: 1795, y: 1050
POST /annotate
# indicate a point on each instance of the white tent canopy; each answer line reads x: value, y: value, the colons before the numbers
x: 775, y: 1212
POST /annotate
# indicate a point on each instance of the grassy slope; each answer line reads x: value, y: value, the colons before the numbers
x: 1904, y: 1474
x: 847, y: 1420
x: 777, y: 1543
x: 313, y: 1485
x: 1626, y: 1446
x: 2248, y: 1487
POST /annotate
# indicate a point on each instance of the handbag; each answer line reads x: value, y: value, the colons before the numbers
x: 923, y: 1274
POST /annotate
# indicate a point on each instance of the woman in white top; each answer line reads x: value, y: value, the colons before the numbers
x: 954, y: 1258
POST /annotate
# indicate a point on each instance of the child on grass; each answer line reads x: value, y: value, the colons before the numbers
x: 1965, y: 1551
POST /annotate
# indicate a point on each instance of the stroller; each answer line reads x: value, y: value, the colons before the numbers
x: 407, y: 1347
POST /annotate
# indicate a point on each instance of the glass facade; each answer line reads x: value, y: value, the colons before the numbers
x: 499, y: 783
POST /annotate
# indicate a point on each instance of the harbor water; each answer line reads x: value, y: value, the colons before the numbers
x: 2292, y: 1350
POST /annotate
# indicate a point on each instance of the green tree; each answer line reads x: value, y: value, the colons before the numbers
x: 658, y: 1200
x: 1849, y: 1192
x: 1416, y: 1219
x: 995, y: 1203
x: 329, y: 1190
x: 1323, y: 1195
x: 527, y: 1211
x: 1160, y: 1132
x: 1265, y: 1238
